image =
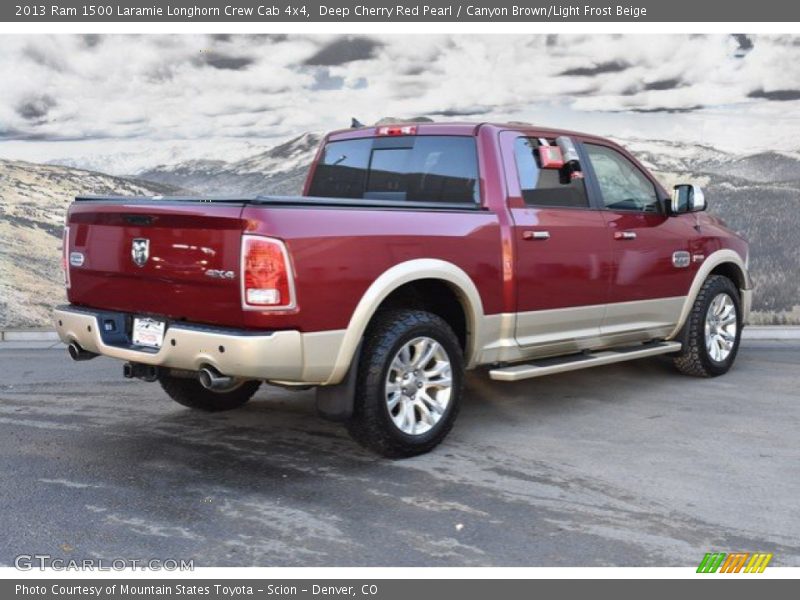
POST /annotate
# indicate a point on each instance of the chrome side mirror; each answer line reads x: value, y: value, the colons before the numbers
x: 687, y: 198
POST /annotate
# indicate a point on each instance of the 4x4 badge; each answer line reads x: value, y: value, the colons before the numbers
x: 140, y: 251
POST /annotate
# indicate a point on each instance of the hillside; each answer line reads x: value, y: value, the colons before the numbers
x: 33, y: 200
x: 278, y: 170
x: 768, y: 215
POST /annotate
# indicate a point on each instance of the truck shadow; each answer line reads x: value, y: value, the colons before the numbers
x: 284, y: 427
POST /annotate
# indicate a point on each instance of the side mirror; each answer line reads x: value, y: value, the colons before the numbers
x: 687, y: 198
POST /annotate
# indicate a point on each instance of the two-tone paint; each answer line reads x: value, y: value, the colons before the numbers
x: 531, y: 281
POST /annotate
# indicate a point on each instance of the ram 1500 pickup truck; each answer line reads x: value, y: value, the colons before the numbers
x: 416, y: 252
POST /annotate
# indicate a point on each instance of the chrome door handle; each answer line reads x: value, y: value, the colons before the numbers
x: 536, y: 235
x: 624, y: 235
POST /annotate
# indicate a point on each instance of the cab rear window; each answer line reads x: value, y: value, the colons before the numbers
x: 405, y: 168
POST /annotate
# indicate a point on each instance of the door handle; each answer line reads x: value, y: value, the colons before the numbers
x: 535, y: 235
x: 624, y: 235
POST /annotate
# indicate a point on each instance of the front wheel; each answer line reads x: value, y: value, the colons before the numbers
x: 713, y: 330
x: 409, y: 384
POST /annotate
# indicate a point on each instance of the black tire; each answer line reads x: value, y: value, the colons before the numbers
x: 189, y: 392
x: 371, y: 424
x: 695, y: 358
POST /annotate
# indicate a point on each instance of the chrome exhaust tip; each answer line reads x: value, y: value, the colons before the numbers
x: 211, y: 379
x: 77, y: 353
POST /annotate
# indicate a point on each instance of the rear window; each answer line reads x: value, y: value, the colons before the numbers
x: 546, y: 187
x: 406, y: 168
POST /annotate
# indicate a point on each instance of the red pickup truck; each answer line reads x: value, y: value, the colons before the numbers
x: 416, y: 251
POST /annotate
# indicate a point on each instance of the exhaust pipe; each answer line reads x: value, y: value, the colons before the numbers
x: 140, y: 371
x: 77, y: 353
x: 211, y: 379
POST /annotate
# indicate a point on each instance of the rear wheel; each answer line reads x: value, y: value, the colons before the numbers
x: 189, y: 392
x: 409, y: 384
x: 713, y: 330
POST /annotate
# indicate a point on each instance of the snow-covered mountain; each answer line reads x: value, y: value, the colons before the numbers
x: 670, y: 156
x: 124, y: 159
x: 674, y: 157
x: 765, y: 167
x: 277, y: 170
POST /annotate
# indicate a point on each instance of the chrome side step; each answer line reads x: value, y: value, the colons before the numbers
x: 573, y: 362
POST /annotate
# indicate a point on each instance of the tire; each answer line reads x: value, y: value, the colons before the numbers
x: 189, y: 392
x: 697, y: 358
x: 397, y: 417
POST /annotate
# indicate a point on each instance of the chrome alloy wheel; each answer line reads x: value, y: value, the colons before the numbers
x: 721, y: 327
x: 418, y: 385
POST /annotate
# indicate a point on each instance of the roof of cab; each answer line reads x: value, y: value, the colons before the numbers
x: 455, y: 128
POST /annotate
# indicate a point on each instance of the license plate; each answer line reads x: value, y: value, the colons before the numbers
x: 148, y: 332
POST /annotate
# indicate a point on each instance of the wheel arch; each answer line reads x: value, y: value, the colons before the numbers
x: 390, y: 281
x: 724, y: 262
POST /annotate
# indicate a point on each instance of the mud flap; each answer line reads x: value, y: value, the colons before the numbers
x: 335, y: 402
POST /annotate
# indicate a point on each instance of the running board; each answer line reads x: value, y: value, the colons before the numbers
x: 573, y: 362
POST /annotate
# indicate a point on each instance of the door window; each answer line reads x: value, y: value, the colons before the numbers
x: 546, y: 187
x: 622, y: 185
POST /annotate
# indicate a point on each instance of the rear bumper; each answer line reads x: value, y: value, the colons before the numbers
x: 286, y: 356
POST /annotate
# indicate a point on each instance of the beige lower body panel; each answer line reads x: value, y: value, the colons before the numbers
x: 289, y: 356
x: 642, y: 315
x: 538, y: 334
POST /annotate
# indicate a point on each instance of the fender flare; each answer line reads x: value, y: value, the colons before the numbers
x: 711, y: 262
x: 388, y: 282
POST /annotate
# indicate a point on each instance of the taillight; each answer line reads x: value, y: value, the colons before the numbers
x: 397, y: 130
x: 65, y: 256
x: 266, y: 274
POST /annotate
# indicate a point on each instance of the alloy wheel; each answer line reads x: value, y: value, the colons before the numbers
x: 418, y: 385
x: 721, y: 327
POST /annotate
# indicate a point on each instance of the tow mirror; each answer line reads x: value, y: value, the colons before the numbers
x: 687, y: 198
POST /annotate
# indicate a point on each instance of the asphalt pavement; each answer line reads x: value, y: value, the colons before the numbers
x: 629, y: 465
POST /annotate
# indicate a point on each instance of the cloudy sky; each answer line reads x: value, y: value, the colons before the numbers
x: 224, y: 96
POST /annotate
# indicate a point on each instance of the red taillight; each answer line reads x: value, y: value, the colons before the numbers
x: 266, y: 274
x: 65, y: 256
x: 397, y: 130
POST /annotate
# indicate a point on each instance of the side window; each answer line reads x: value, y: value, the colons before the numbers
x: 623, y: 186
x: 546, y: 187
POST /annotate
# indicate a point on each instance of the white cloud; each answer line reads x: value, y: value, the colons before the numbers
x: 182, y: 88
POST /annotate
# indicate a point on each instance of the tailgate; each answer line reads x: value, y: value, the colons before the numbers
x: 177, y: 259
